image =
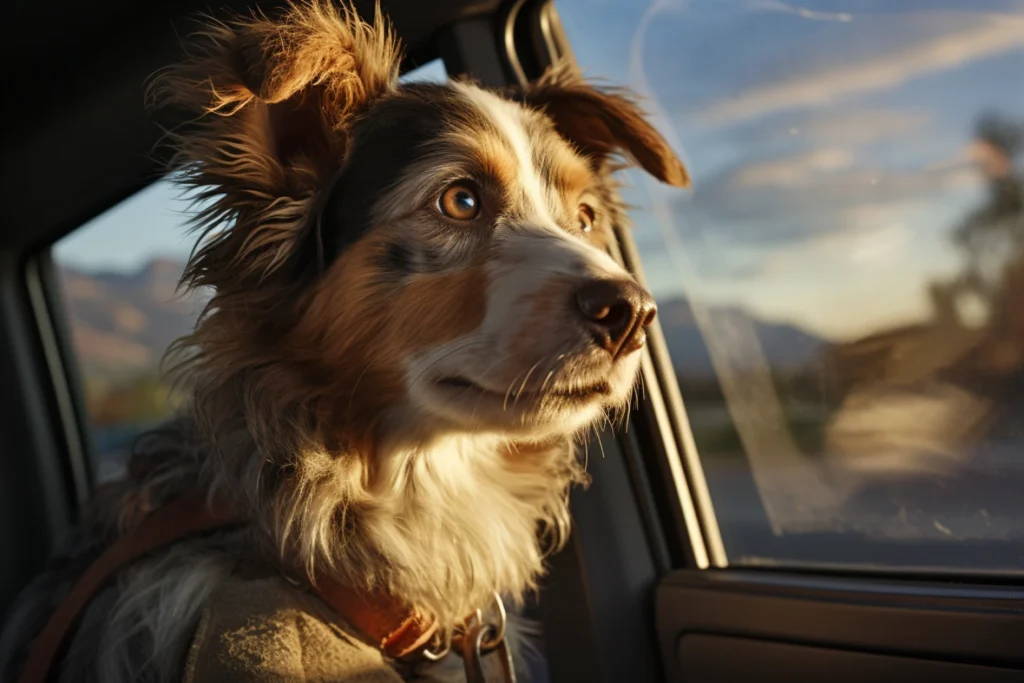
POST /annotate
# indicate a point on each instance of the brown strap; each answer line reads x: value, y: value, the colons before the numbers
x: 174, y: 521
x: 396, y: 629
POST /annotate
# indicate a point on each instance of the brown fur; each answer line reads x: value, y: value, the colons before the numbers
x: 603, y: 123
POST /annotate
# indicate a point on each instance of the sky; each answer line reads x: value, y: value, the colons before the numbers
x: 827, y: 141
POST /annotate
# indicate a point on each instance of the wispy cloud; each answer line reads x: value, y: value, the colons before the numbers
x: 857, y: 126
x: 830, y: 170
x: 803, y: 12
x: 796, y: 170
x: 991, y: 35
x: 818, y: 183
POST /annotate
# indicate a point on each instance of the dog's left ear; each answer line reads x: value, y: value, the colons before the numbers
x: 603, y: 122
x: 269, y: 104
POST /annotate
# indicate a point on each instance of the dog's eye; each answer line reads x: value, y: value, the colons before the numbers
x: 585, y: 216
x: 460, y: 202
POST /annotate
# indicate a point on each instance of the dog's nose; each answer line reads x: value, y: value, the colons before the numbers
x: 616, y: 312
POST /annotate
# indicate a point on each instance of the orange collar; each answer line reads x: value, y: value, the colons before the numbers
x: 396, y: 629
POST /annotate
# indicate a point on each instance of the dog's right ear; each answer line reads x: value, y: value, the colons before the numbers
x: 269, y: 104
x: 603, y: 122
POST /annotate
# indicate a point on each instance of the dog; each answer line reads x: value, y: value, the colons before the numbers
x: 412, y: 318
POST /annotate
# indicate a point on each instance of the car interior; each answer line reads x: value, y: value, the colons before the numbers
x: 784, y: 502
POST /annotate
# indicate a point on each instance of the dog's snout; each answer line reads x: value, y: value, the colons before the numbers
x: 616, y: 312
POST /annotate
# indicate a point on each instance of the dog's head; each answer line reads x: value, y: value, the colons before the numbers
x: 429, y: 257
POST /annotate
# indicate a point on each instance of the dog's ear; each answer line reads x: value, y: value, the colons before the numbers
x: 268, y: 105
x: 603, y: 122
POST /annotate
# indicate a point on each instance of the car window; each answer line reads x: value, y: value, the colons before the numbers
x: 118, y: 276
x: 841, y: 289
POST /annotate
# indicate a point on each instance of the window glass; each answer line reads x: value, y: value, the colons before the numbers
x: 118, y: 275
x: 842, y: 290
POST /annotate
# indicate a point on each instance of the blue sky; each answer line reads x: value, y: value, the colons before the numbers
x: 828, y: 143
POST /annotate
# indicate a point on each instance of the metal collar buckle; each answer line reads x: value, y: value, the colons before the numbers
x: 482, y: 637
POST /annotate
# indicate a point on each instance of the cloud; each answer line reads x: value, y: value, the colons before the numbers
x: 843, y: 221
x: 989, y: 36
x: 859, y: 126
x: 798, y: 194
x: 864, y: 270
x: 794, y: 171
x: 829, y: 173
x: 803, y: 12
x: 855, y: 235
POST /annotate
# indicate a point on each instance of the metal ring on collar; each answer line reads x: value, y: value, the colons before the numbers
x: 489, y: 644
x: 442, y: 651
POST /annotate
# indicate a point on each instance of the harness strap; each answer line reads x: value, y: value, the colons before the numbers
x: 170, y: 523
x: 398, y: 631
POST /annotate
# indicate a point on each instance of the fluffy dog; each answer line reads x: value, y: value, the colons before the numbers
x: 413, y: 314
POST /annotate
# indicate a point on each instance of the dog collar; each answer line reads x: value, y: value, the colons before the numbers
x: 397, y: 631
x: 404, y: 635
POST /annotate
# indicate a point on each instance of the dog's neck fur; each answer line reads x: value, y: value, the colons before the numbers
x: 439, y: 521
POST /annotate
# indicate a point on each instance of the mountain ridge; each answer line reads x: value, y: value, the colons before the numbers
x: 124, y: 321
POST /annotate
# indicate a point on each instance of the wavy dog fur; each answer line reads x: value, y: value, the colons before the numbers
x: 293, y: 387
x: 275, y: 434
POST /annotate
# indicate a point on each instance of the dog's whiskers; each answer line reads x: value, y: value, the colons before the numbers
x: 504, y: 404
x: 539, y: 396
x: 551, y: 374
x: 597, y: 436
x: 523, y: 385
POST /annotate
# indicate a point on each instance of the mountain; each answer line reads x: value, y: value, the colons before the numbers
x: 123, y: 322
x: 785, y: 347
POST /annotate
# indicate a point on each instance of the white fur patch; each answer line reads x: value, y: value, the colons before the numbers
x: 508, y: 118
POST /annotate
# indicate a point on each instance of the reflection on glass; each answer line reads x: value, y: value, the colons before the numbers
x: 842, y: 290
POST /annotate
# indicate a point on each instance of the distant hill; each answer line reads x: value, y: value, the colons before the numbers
x: 786, y: 347
x: 123, y: 322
